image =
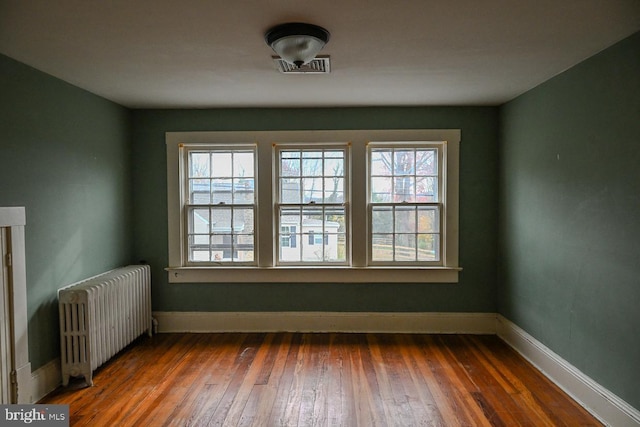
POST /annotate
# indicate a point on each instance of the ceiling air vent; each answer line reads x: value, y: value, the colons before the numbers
x: 318, y: 65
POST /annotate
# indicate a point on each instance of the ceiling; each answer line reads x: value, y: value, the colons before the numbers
x: 202, y: 54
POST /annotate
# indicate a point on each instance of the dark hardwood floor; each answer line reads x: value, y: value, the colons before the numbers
x: 307, y: 379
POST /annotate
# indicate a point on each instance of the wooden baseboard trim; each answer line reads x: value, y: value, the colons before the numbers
x: 603, y: 404
x: 446, y: 323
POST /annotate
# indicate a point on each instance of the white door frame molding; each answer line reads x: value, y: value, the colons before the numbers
x: 14, y: 219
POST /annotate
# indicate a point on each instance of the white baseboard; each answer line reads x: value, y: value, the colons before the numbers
x: 45, y: 379
x: 446, y: 323
x: 24, y: 384
x: 604, y: 405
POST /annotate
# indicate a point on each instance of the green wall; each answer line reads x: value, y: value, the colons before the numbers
x: 478, y: 206
x: 570, y: 216
x: 65, y: 156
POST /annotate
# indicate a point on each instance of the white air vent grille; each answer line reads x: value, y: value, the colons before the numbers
x: 318, y: 65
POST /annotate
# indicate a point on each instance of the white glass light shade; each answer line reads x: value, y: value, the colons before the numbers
x: 297, y: 43
x: 297, y: 50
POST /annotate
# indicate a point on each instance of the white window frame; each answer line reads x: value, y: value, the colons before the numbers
x: 441, y: 202
x: 266, y: 270
x: 278, y: 148
x: 185, y: 150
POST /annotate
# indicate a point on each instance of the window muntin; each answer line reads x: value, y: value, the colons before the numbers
x: 311, y: 207
x: 220, y: 206
x: 406, y: 206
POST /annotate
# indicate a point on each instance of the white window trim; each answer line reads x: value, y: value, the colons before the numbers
x: 265, y: 271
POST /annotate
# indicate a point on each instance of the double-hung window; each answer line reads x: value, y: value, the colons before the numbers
x: 220, y: 207
x: 311, y: 204
x: 335, y: 206
x: 405, y: 203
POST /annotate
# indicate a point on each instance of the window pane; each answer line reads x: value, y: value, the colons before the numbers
x: 243, y: 191
x: 290, y: 220
x: 382, y: 219
x: 427, y: 189
x: 428, y: 247
x: 199, y: 165
x: 199, y: 223
x: 380, y: 190
x: 199, y: 248
x: 312, y: 154
x: 428, y: 219
x: 403, y: 163
x: 405, y: 247
x: 334, y: 238
x: 403, y: 189
x: 243, y: 221
x: 382, y: 247
x: 312, y: 166
x: 405, y: 219
x: 221, y: 164
x: 245, y: 248
x: 334, y: 190
x: 290, y: 167
x: 221, y: 247
x: 221, y: 220
x: 381, y: 163
x: 243, y: 164
x: 313, y: 190
x: 426, y: 162
x: 200, y: 191
x: 290, y: 190
x: 221, y: 191
x: 334, y: 167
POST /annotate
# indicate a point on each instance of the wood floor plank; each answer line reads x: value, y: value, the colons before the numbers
x: 237, y: 372
x: 425, y: 397
x: 266, y: 393
x: 284, y: 383
x: 369, y: 408
x: 183, y: 413
x: 456, y: 386
x: 341, y: 405
x: 303, y: 379
x: 389, y: 382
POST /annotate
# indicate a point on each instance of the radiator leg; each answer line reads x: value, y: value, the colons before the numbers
x: 65, y: 380
x: 89, y: 379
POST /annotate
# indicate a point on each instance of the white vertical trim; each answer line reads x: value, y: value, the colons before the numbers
x: 15, y: 219
x: 6, y: 343
x: 602, y: 403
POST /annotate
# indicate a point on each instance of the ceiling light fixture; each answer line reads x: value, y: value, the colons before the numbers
x: 297, y: 43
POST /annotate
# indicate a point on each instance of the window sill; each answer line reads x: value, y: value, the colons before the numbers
x: 313, y: 274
